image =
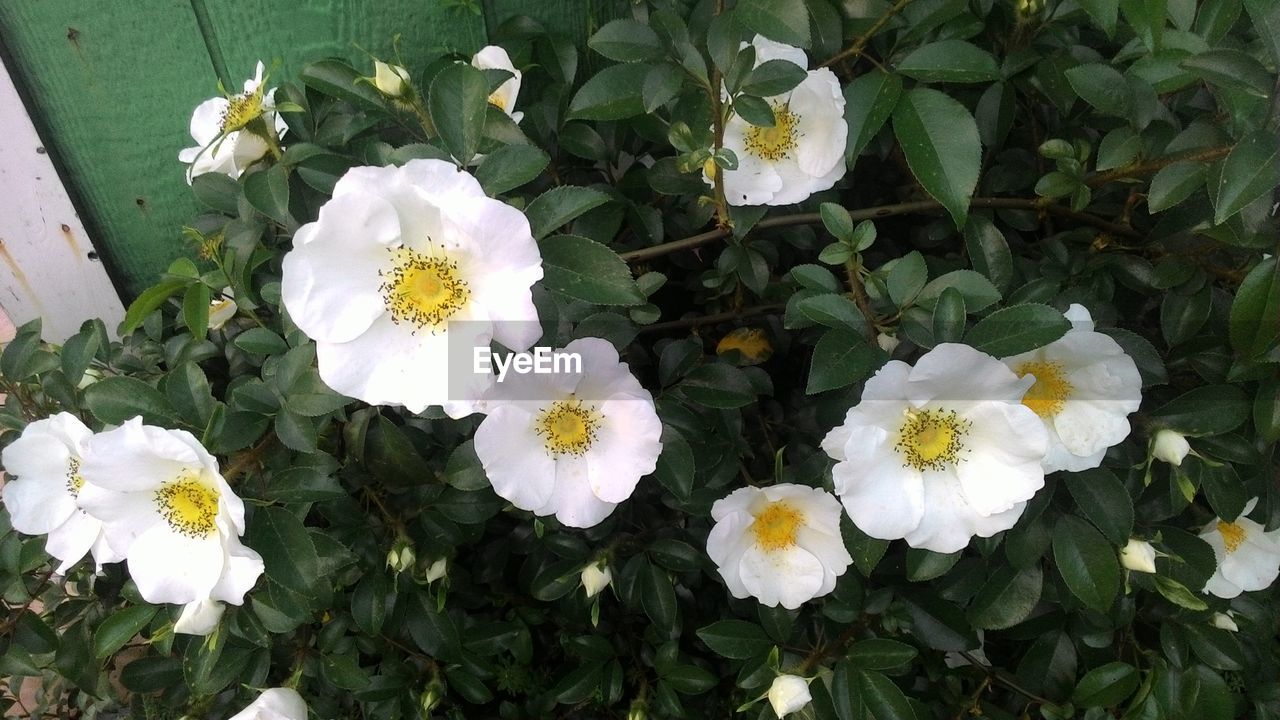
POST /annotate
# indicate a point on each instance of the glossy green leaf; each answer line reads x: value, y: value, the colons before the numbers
x: 587, y: 270
x: 940, y: 140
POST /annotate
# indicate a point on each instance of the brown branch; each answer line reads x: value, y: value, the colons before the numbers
x: 884, y: 211
x: 860, y: 43
x: 853, y: 271
x: 248, y: 458
x: 1003, y: 679
x: 713, y: 319
x: 1134, y: 170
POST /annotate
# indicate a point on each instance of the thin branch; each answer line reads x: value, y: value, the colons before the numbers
x: 713, y: 319
x: 853, y: 272
x: 860, y: 43
x: 1003, y: 679
x: 1134, y: 170
x: 248, y: 458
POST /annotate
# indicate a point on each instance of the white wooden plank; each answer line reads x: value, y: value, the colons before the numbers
x: 48, y: 266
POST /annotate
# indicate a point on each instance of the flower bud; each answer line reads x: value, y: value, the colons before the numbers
x: 887, y: 342
x: 431, y: 697
x: 391, y: 80
x: 436, y: 570
x: 1223, y: 621
x: 222, y: 310
x: 401, y: 557
x: 91, y: 376
x: 596, y: 577
x: 788, y: 693
x: 1170, y: 446
x: 639, y: 710
x: 1139, y: 556
x: 199, y: 617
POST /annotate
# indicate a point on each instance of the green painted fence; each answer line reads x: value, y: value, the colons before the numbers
x: 112, y: 84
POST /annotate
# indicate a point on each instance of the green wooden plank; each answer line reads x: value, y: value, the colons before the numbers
x: 113, y: 85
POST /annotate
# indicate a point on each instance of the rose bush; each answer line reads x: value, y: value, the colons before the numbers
x: 931, y: 369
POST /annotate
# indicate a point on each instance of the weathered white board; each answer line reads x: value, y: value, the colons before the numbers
x: 48, y: 267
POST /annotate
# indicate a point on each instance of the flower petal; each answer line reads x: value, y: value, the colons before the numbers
x: 72, y: 540
x: 242, y: 568
x: 514, y: 459
x: 572, y: 501
x: 172, y: 568
x: 626, y: 448
x: 884, y: 498
x: 788, y: 577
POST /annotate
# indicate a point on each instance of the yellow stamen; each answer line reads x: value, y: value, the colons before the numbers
x: 567, y: 427
x: 496, y: 100
x: 1232, y: 535
x: 75, y: 480
x: 775, y: 528
x: 930, y: 439
x: 423, y: 290
x: 189, y: 505
x: 1051, y: 390
x: 242, y: 109
x: 775, y: 143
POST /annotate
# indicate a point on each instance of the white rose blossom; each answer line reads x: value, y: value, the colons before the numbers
x: 400, y: 260
x: 493, y: 57
x: 1170, y: 446
x: 1248, y: 556
x: 167, y: 509
x: 199, y: 617
x: 567, y: 444
x: 1085, y: 387
x: 787, y: 694
x: 223, y: 142
x: 803, y: 152
x: 939, y: 452
x: 779, y: 544
x: 275, y: 704
x: 43, y: 489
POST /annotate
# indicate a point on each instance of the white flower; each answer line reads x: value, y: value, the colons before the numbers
x: 780, y: 544
x: 788, y: 693
x: 166, y: 508
x: 436, y: 570
x: 42, y: 494
x: 493, y: 57
x: 399, y: 261
x: 1085, y: 387
x: 1138, y: 555
x: 803, y: 152
x: 1170, y: 446
x: 573, y: 445
x: 222, y: 309
x: 275, y: 704
x: 1248, y: 556
x: 596, y: 578
x: 223, y: 144
x: 1224, y: 621
x: 199, y: 617
x: 391, y: 80
x: 939, y: 452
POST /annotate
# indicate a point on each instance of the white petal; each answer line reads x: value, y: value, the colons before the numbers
x: 275, y: 704
x: 514, y: 459
x: 1079, y: 317
x: 206, y: 121
x: 173, y: 568
x: 738, y: 501
x: 603, y: 373
x: 959, y: 373
x: 243, y: 566
x: 949, y: 522
x: 1001, y: 465
x: 883, y: 498
x: 1219, y: 586
x: 767, y: 50
x: 626, y: 448
x: 137, y: 457
x: 71, y: 541
x: 1087, y: 428
x: 820, y: 105
x: 38, y: 504
x: 572, y: 501
x: 124, y: 516
x: 199, y: 617
x: 788, y: 578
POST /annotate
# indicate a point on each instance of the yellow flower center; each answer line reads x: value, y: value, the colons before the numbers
x: 242, y: 109
x: 567, y: 427
x: 496, y: 100
x: 1232, y: 535
x: 423, y: 290
x: 189, y: 505
x: 930, y: 439
x: 775, y: 143
x: 75, y: 480
x: 775, y: 528
x: 1051, y: 389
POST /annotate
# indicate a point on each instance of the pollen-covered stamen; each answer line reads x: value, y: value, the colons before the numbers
x: 932, y: 439
x: 775, y: 528
x: 423, y: 290
x: 189, y: 505
x: 775, y: 143
x: 1051, y: 389
x: 495, y: 99
x: 1232, y: 535
x: 567, y: 427
x: 242, y: 109
x: 75, y: 480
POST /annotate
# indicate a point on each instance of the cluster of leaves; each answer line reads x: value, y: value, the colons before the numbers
x: 1014, y: 157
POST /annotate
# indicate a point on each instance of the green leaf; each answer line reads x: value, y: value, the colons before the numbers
x: 1087, y: 562
x: 675, y: 467
x: 1266, y: 21
x: 884, y: 700
x: 268, y: 192
x: 626, y: 41
x: 1007, y: 598
x: 1104, y: 501
x: 1231, y: 68
x: 615, y: 93
x: 938, y: 623
x: 940, y: 140
x: 880, y: 654
x: 195, y: 309
x: 974, y: 288
x: 559, y: 206
x: 1118, y: 148
x: 1104, y: 13
x: 735, y: 639
x: 773, y: 77
x: 148, y: 302
x: 661, y: 85
x: 718, y: 385
x: 114, y: 400
x: 1248, y: 173
x: 1254, y: 324
x: 1017, y: 329
x: 658, y: 598
x: 121, y: 627
x: 948, y: 315
x: 1106, y: 685
x: 836, y: 220
x: 1219, y: 649
x: 260, y: 341
x: 217, y: 192
x: 509, y: 167
x: 587, y: 270
x: 188, y: 392
x: 989, y: 252
x: 286, y: 548
x: 151, y: 674
x: 458, y: 100
x: 841, y: 358
x: 78, y: 352
x: 907, y: 278
x: 868, y: 102
x: 834, y: 311
x: 1182, y: 316
x: 1178, y: 594
x: 1173, y: 184
x: 786, y: 21
x: 338, y: 79
x: 1207, y: 410
x: 953, y: 61
x: 925, y: 565
x: 1102, y: 86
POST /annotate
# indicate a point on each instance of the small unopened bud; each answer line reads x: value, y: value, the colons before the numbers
x: 199, y: 617
x: 436, y: 570
x: 1139, y: 556
x: 390, y: 80
x: 91, y: 376
x: 222, y: 310
x: 710, y: 168
x: 1170, y: 446
x: 887, y: 342
x: 596, y: 577
x: 1222, y: 621
x: 639, y: 710
x: 788, y: 693
x: 401, y: 557
x: 431, y: 697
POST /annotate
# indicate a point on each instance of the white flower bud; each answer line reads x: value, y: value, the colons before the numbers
x: 887, y: 342
x: 1170, y: 446
x: 437, y: 570
x: 391, y: 80
x: 1223, y: 621
x: 401, y: 557
x: 222, y: 310
x: 788, y: 693
x: 1139, y: 556
x: 596, y: 578
x: 199, y: 617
